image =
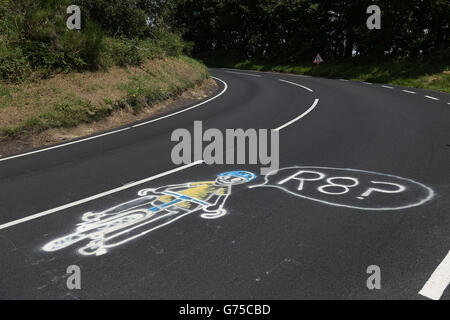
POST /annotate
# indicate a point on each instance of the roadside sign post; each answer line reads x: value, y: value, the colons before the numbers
x: 318, y: 60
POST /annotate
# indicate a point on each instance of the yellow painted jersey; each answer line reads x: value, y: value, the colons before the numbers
x: 198, y: 190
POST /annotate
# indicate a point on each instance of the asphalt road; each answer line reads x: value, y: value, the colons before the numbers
x: 274, y: 242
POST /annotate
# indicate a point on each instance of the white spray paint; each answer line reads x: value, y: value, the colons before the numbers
x: 327, y: 185
x: 154, y: 209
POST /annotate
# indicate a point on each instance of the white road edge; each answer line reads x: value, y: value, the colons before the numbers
x: 133, y: 184
x: 120, y: 130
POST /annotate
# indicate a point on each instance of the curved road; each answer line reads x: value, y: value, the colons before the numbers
x: 274, y: 243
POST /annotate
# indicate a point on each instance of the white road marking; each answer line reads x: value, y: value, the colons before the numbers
x: 187, y: 109
x: 428, y: 195
x: 245, y: 74
x: 432, y: 98
x: 367, y: 82
x: 296, y: 84
x: 97, y: 196
x: 270, y: 72
x: 299, y: 117
x: 407, y: 91
x: 435, y: 286
x: 117, y: 131
x: 344, y: 80
x: 387, y: 87
x: 65, y: 144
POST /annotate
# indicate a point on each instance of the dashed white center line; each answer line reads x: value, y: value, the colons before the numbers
x: 296, y: 84
x: 407, y: 91
x: 316, y: 101
x: 432, y: 98
x: 367, y: 82
x: 244, y: 74
x: 387, y: 87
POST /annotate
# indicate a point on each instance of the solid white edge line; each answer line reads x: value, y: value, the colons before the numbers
x: 407, y: 91
x: 296, y: 84
x: 115, y: 131
x: 97, y: 196
x: 65, y: 144
x: 299, y: 117
x: 187, y: 109
x: 435, y: 286
x: 245, y: 74
x: 432, y: 98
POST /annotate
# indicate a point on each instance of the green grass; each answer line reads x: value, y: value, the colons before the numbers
x: 146, y: 90
x: 6, y: 95
x: 65, y: 114
x: 425, y: 74
x: 142, y: 90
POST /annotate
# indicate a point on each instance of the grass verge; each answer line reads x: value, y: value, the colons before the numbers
x: 67, y: 100
x: 419, y: 73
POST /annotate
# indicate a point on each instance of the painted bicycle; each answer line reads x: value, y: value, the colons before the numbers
x: 154, y: 209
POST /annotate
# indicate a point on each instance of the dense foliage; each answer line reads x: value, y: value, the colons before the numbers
x: 34, y: 38
x: 295, y: 30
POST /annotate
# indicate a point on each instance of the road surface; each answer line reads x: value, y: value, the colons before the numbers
x: 274, y: 242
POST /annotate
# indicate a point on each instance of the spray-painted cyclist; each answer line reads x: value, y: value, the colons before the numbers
x: 155, y: 208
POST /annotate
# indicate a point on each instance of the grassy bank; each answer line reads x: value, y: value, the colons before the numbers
x: 54, y: 77
x: 36, y: 43
x: 66, y: 100
x: 432, y: 74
